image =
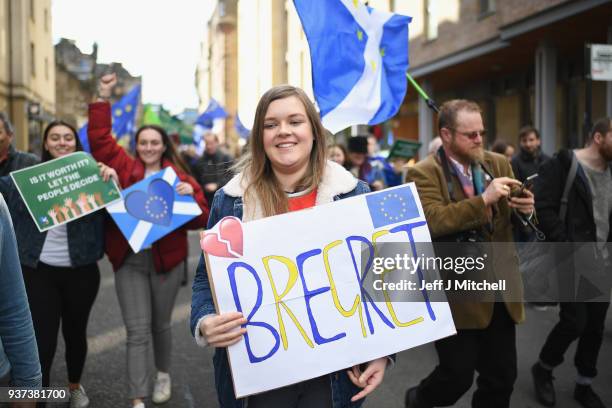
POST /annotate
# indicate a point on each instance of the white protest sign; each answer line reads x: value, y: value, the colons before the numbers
x: 297, y: 277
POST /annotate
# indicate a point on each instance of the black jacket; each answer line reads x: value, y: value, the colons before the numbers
x: 16, y: 160
x: 579, y: 225
x: 524, y: 164
x: 212, y: 168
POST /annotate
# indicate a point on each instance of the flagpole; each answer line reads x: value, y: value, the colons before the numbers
x: 421, y: 92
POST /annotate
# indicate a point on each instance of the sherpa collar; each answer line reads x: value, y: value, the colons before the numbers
x: 336, y: 180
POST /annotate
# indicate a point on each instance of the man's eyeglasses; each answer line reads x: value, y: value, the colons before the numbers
x: 471, y: 135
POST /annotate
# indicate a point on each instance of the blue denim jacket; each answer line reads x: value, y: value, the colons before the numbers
x: 85, y: 235
x: 202, y: 304
x: 18, y: 351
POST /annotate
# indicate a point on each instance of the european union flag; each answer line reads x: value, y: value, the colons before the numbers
x: 124, y: 119
x: 242, y: 131
x: 124, y: 116
x: 392, y: 206
x: 152, y: 208
x: 213, y: 111
x: 359, y: 60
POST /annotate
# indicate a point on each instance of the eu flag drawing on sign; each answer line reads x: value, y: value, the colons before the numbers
x: 152, y: 208
x: 359, y: 60
x: 392, y: 206
x: 124, y: 119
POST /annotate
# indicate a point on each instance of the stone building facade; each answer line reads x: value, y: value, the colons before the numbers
x: 27, y: 68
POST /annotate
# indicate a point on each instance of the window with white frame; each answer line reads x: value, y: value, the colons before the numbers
x: 431, y: 19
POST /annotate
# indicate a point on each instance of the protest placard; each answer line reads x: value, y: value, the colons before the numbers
x: 299, y: 280
x: 64, y: 189
x: 151, y: 209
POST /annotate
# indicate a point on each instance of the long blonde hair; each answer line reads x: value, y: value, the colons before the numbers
x: 256, y: 167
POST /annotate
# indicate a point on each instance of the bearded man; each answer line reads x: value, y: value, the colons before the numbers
x: 589, y: 219
x: 465, y: 193
x: 530, y: 156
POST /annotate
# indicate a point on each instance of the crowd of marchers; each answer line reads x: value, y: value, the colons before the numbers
x: 51, y: 279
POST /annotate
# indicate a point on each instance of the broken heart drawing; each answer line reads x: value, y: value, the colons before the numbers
x: 224, y: 239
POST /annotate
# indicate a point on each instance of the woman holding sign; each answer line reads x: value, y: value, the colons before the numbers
x: 284, y: 170
x: 147, y: 282
x: 60, y: 267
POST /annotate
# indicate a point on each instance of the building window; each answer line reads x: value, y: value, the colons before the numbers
x: 32, y: 10
x: 47, y: 68
x: 487, y: 7
x: 431, y: 19
x: 32, y: 60
x: 46, y: 21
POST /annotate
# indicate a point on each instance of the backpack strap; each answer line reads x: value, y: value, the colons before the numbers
x: 571, y: 176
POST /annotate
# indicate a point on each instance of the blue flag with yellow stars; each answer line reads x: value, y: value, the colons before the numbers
x: 359, y: 60
x: 151, y: 209
x: 124, y: 120
x: 124, y: 117
x: 392, y: 206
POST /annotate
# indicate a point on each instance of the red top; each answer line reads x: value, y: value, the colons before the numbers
x: 169, y: 251
x: 304, y: 201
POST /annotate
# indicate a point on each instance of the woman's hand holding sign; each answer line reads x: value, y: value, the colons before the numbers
x: 183, y: 188
x: 108, y: 173
x: 220, y: 330
x: 370, y: 379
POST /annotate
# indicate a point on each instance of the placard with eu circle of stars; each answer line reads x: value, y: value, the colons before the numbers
x: 152, y: 208
x: 392, y: 206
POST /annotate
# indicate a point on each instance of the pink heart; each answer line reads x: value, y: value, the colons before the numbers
x: 211, y: 245
x: 230, y: 232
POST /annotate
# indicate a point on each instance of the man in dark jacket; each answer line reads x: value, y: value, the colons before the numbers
x: 530, y: 156
x: 10, y: 158
x: 588, y: 220
x: 212, y: 170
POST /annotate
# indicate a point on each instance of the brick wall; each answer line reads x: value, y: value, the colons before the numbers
x: 467, y: 27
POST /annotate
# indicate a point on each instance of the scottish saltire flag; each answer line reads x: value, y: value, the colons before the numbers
x: 359, y: 60
x: 392, y: 206
x: 242, y: 131
x: 206, y: 122
x: 124, y: 120
x: 198, y: 137
x: 151, y: 209
x: 213, y: 111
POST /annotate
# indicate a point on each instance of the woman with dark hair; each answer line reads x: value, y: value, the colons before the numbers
x: 285, y: 169
x: 147, y: 282
x: 60, y: 268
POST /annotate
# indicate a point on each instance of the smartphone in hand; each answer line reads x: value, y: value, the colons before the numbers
x: 527, y: 185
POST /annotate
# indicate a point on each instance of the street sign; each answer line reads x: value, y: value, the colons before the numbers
x: 601, y: 62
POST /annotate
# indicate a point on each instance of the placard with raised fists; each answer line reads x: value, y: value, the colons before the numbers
x: 64, y: 189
